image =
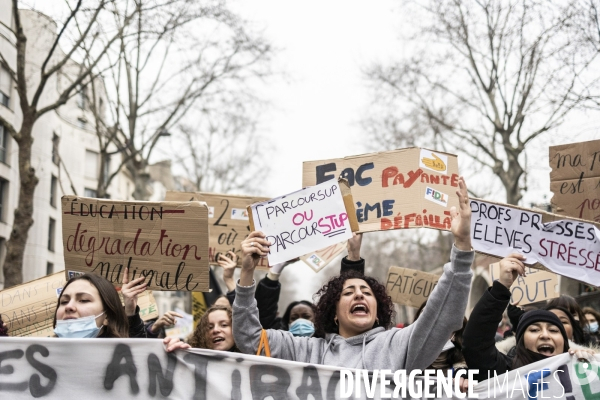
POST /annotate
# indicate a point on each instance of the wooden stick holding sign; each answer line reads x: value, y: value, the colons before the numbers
x: 409, y: 287
x: 568, y: 247
x: 166, y: 242
x: 538, y: 285
x: 304, y: 221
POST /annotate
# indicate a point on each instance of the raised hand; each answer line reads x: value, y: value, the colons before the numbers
x: 461, y: 219
x: 353, y: 246
x: 167, y: 319
x: 253, y: 247
x: 228, y: 265
x: 511, y: 267
x: 131, y: 291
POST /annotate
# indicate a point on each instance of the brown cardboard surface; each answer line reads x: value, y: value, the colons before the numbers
x: 321, y: 258
x: 167, y: 242
x: 536, y: 286
x: 28, y: 309
x: 389, y: 188
x: 410, y: 287
x: 225, y: 233
x: 575, y: 180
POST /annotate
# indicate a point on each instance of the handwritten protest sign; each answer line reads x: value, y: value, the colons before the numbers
x: 304, y: 221
x: 567, y: 247
x: 575, y: 179
x: 398, y: 189
x: 228, y: 221
x: 167, y: 242
x: 410, y: 287
x: 28, y: 309
x: 321, y: 258
x: 538, y: 285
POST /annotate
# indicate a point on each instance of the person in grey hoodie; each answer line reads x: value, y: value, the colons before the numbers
x: 354, y: 337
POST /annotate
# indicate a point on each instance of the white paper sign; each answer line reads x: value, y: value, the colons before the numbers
x: 568, y: 248
x: 302, y: 222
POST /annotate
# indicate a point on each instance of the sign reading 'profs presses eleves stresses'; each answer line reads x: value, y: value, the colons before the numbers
x: 305, y: 221
x: 166, y: 242
x: 406, y: 188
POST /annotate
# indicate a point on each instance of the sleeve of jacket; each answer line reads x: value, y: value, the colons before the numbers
x: 348, y: 265
x: 247, y: 330
x: 479, y: 345
x: 137, y: 329
x: 443, y: 314
x: 230, y: 296
x: 267, y: 301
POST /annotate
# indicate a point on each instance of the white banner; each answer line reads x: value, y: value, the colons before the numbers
x: 568, y: 248
x: 103, y: 369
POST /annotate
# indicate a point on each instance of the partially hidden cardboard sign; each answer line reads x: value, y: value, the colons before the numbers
x: 166, y: 242
x: 306, y: 220
x: 319, y: 259
x: 400, y: 189
x: 410, y: 287
x: 28, y: 309
x: 228, y: 221
x: 575, y: 179
x: 537, y: 285
x: 568, y: 247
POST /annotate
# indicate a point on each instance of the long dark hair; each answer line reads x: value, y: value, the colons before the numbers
x: 118, y: 325
x: 199, y: 338
x: 330, y: 294
x: 578, y: 337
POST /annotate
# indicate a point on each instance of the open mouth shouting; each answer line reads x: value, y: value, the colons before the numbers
x: 359, y: 309
x: 546, y: 349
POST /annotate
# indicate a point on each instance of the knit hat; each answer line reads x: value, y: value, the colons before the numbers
x: 534, y: 316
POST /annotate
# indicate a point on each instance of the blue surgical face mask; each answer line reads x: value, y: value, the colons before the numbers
x: 84, y: 327
x: 302, y: 327
x: 593, y: 327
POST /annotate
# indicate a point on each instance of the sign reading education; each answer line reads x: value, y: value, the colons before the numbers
x: 538, y: 285
x: 575, y: 179
x: 410, y: 287
x: 166, y: 242
x: 567, y: 247
x: 400, y: 189
x: 228, y: 221
x: 304, y: 221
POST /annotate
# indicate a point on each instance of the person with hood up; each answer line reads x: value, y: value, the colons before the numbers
x: 354, y: 312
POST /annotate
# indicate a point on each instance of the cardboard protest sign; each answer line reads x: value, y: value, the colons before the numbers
x: 400, y: 189
x: 575, y: 179
x: 306, y: 220
x: 228, y: 221
x: 538, y: 285
x: 147, y: 304
x: 319, y: 259
x: 410, y: 287
x: 167, y: 242
x: 568, y: 247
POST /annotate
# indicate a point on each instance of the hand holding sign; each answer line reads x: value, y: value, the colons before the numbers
x: 354, y: 246
x: 511, y: 267
x: 228, y: 263
x: 130, y: 292
x: 253, y: 247
x: 461, y: 220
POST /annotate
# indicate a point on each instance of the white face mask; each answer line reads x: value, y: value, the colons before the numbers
x: 593, y: 327
x: 84, y: 327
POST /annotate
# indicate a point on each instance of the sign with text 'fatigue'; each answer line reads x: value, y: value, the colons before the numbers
x: 406, y: 188
x: 304, y: 221
x: 319, y: 259
x: 575, y: 179
x: 410, y: 287
x: 167, y: 242
x: 228, y: 221
x: 567, y: 247
x: 538, y: 285
x: 50, y: 368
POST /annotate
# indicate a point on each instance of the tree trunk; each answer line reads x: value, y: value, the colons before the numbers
x: 13, y: 263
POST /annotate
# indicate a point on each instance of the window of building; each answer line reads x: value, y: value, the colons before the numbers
x: 3, y: 199
x: 53, y: 186
x: 3, y: 144
x: 91, y: 164
x: 5, y: 86
x: 82, y: 97
x: 55, y: 143
x: 51, y: 229
x: 87, y: 192
x: 81, y: 123
x: 49, y: 268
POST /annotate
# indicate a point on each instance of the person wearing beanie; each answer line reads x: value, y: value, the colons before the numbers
x: 539, y: 334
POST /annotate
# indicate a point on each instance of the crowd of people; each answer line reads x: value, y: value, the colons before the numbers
x: 351, y: 323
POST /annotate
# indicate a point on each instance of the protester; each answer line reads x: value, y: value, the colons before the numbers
x: 214, y: 330
x: 3, y: 328
x: 539, y: 333
x: 354, y: 312
x: 578, y: 321
x: 222, y: 300
x: 155, y: 328
x: 593, y: 317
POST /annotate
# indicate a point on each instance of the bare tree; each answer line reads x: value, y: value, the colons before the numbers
x: 487, y: 78
x: 178, y: 56
x: 32, y: 83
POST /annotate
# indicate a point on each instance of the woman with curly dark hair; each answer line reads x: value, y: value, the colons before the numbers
x: 214, y: 330
x: 354, y: 313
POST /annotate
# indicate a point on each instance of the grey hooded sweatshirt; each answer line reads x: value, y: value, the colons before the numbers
x: 414, y: 347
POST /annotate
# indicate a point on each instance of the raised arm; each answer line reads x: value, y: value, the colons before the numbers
x: 353, y: 261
